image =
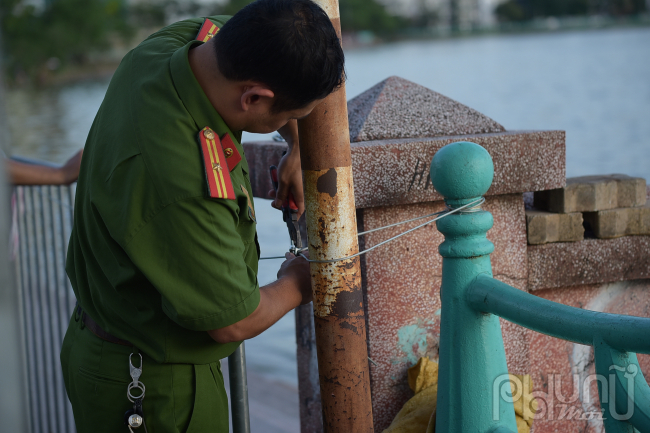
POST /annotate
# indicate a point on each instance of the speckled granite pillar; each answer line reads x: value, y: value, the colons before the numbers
x: 402, y: 283
x: 396, y: 127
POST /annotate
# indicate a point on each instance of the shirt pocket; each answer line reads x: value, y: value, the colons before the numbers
x: 210, y: 405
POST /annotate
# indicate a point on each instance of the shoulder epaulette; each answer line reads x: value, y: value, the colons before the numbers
x: 214, y: 162
x: 207, y: 31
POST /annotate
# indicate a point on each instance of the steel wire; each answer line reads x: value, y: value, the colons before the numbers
x: 469, y: 207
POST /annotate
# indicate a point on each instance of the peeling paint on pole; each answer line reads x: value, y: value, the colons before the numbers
x: 338, y: 299
x: 331, y: 215
x: 339, y: 318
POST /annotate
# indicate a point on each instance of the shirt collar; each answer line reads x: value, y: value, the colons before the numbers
x: 195, y: 100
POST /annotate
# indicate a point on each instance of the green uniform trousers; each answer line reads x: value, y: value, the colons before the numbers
x: 179, y: 397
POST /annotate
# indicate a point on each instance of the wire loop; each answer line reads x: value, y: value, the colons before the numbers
x: 474, y: 206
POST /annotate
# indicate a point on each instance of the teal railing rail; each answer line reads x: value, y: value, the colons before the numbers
x: 472, y: 356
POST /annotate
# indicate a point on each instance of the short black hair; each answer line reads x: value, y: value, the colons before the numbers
x: 289, y: 45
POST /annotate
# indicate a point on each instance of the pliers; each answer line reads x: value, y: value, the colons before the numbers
x: 289, y: 215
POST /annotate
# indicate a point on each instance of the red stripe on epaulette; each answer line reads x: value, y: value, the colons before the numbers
x: 230, y: 150
x: 214, y: 162
x: 207, y: 31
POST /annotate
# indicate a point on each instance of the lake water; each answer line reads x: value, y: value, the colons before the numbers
x: 594, y: 85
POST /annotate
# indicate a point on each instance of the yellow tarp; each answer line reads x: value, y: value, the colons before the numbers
x: 418, y: 415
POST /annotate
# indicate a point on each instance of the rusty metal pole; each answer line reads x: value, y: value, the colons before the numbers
x: 332, y: 228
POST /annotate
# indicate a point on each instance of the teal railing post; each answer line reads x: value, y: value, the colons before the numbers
x: 472, y: 369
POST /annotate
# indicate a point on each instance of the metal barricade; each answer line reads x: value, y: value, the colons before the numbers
x: 42, y: 225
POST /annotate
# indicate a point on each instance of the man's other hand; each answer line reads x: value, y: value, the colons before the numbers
x: 289, y: 171
x: 70, y: 170
x: 21, y: 173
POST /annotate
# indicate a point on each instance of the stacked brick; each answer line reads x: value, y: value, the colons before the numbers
x: 606, y: 206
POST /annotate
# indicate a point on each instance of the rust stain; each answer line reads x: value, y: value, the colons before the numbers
x: 349, y: 326
x: 345, y: 378
x: 327, y: 183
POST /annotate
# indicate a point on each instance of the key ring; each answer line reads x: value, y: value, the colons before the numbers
x: 135, y: 372
x: 132, y: 398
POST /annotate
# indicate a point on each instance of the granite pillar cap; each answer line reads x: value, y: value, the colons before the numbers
x: 462, y: 171
x: 398, y: 108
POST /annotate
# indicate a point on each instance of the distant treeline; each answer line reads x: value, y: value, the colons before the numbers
x: 356, y: 15
x: 42, y: 38
x: 39, y: 41
x: 526, y: 10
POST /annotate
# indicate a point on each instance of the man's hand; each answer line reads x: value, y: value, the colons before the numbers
x: 70, y: 170
x: 289, y: 170
x: 298, y: 269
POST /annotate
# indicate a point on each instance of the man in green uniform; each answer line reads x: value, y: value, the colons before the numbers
x: 163, y: 254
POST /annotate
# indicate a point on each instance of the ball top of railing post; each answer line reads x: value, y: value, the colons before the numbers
x: 462, y: 171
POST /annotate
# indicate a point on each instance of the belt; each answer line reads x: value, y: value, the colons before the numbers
x: 99, y: 332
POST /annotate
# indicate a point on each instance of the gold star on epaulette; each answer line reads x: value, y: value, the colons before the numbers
x: 209, y: 134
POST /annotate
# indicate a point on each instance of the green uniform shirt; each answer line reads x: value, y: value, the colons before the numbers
x: 153, y: 259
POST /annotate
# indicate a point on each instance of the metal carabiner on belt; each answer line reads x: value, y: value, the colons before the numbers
x: 133, y: 418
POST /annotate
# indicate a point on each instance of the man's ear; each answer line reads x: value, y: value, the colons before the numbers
x: 256, y: 96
